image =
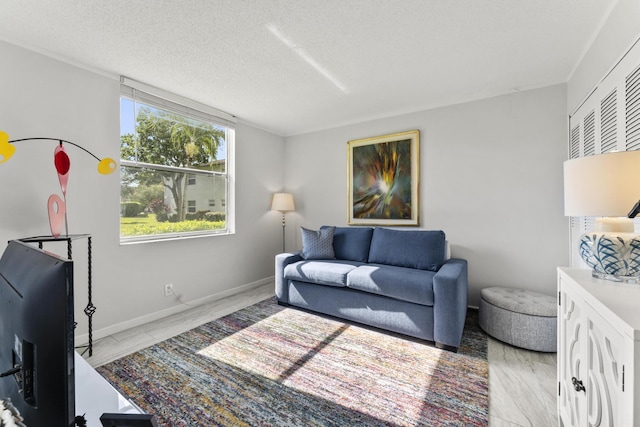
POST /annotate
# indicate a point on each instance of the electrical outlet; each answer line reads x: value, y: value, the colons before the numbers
x: 168, y: 290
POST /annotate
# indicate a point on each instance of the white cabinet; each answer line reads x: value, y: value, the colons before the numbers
x: 571, y: 337
x: 598, y: 351
x: 95, y: 396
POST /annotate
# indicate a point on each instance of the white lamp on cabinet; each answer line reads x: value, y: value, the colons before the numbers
x: 606, y: 186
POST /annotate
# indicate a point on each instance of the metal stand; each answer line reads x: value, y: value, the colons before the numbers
x: 283, y: 224
x: 90, y: 309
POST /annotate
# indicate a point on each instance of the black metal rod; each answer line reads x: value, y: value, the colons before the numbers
x: 60, y: 140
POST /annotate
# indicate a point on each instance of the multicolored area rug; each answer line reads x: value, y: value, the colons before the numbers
x: 268, y: 365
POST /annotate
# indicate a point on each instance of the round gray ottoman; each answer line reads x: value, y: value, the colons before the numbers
x: 519, y: 317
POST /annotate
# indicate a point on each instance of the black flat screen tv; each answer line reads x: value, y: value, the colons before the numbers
x: 37, y: 335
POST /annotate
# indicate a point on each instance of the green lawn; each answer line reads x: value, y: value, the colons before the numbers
x: 128, y: 226
x: 144, y: 226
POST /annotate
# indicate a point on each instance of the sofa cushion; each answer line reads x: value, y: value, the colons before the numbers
x: 326, y: 272
x: 421, y: 249
x: 318, y: 244
x: 406, y: 284
x: 352, y: 243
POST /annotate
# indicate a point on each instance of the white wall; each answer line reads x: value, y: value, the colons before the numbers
x: 616, y: 36
x: 491, y: 178
x: 42, y: 96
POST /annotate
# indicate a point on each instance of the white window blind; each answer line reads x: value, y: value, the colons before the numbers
x: 169, y: 101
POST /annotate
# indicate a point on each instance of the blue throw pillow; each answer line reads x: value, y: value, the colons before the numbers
x: 421, y: 249
x: 318, y: 244
x: 352, y: 243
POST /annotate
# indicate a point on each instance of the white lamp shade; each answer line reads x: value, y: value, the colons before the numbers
x: 282, y: 202
x: 602, y: 185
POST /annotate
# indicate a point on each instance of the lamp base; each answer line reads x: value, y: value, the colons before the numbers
x: 612, y: 250
x: 615, y: 278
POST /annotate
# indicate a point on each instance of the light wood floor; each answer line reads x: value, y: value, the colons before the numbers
x: 522, y: 383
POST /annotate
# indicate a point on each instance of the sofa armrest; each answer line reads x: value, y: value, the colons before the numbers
x: 450, y: 289
x: 282, y: 260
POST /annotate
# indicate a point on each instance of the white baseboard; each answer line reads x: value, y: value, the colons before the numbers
x: 83, y: 339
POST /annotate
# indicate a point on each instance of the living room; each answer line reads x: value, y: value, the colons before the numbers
x: 490, y: 162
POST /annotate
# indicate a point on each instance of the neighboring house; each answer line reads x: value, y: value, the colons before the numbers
x: 202, y: 194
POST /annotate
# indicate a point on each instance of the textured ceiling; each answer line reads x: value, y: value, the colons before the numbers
x: 295, y: 66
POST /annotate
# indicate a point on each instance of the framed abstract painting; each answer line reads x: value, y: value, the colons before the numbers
x: 383, y: 179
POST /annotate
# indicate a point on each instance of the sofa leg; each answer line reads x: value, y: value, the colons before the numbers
x: 446, y: 347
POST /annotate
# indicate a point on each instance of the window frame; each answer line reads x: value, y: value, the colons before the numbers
x: 158, y: 98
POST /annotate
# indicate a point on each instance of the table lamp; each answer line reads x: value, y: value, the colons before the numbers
x: 282, y: 202
x: 606, y: 186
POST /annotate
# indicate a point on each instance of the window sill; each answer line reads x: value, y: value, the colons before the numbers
x: 169, y: 238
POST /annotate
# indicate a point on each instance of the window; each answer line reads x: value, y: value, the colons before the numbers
x: 212, y: 203
x: 174, y: 158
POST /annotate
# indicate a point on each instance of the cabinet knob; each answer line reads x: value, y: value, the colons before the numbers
x: 577, y: 385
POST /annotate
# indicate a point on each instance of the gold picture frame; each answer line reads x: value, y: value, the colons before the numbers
x: 383, y: 175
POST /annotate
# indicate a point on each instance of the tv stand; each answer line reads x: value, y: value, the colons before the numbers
x: 90, y: 309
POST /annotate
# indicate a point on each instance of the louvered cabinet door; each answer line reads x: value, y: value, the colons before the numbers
x: 606, y: 365
x: 609, y: 118
x: 572, y: 400
x: 632, y: 110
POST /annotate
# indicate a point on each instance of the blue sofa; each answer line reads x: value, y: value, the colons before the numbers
x: 401, y: 281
